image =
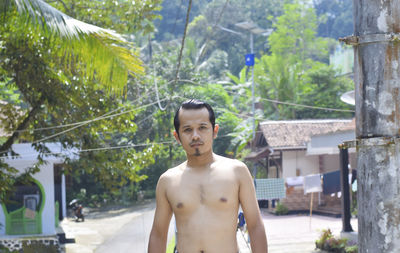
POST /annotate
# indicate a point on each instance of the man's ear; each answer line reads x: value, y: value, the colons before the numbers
x: 216, y: 128
x: 177, y: 137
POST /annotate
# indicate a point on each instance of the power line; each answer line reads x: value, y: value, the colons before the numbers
x: 90, y: 121
x: 87, y: 122
x: 290, y: 103
x: 75, y: 123
x: 154, y: 76
x: 96, y: 149
x: 306, y: 106
x: 106, y: 148
x: 300, y: 105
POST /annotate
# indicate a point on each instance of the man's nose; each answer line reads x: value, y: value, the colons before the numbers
x: 196, y: 135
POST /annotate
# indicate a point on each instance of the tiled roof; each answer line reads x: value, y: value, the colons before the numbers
x: 296, y: 133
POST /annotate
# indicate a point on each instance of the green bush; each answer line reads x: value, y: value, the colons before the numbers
x: 352, y: 249
x: 281, y: 209
x: 331, y: 244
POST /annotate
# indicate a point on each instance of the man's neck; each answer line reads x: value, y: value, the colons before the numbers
x: 202, y: 161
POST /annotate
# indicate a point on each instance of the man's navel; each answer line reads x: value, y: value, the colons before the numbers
x: 224, y: 200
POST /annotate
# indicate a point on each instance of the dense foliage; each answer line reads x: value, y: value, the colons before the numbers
x: 123, y: 123
x: 64, y: 88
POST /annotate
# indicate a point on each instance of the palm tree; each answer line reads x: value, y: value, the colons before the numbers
x: 106, y: 54
x: 93, y: 52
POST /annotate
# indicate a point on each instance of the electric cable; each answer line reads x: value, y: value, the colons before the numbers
x: 75, y: 123
x: 96, y: 149
x: 90, y: 121
x: 87, y: 122
x: 105, y: 148
x: 154, y: 76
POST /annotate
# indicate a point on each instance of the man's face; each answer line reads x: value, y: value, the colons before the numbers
x: 195, y: 131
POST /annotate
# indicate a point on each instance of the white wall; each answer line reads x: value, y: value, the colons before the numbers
x: 331, y: 163
x: 292, y: 160
x: 46, y: 177
x: 2, y: 222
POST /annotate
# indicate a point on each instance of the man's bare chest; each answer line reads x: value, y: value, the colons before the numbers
x: 214, y: 191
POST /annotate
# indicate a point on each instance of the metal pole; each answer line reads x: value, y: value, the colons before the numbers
x: 344, y: 185
x: 377, y: 78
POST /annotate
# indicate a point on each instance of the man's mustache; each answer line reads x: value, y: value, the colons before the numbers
x: 196, y: 143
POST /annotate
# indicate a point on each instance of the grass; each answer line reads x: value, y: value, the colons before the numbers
x: 171, y: 245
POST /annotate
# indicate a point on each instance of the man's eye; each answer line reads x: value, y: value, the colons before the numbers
x: 203, y: 127
x: 187, y: 130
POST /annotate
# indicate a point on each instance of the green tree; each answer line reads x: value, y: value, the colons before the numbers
x: 64, y: 71
x: 173, y: 14
x: 335, y: 18
x: 208, y: 29
x: 323, y: 88
x: 295, y: 49
x: 124, y: 17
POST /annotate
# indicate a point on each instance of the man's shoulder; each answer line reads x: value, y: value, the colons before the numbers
x: 233, y: 163
x: 173, y: 172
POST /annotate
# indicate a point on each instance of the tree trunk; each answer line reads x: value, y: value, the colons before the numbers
x: 22, y: 126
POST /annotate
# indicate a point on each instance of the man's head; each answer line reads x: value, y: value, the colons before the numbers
x: 195, y: 127
x: 193, y: 104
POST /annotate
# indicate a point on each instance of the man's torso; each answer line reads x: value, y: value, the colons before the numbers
x: 205, y: 204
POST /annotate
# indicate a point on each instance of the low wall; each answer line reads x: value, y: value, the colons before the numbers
x: 42, y: 245
x: 296, y: 200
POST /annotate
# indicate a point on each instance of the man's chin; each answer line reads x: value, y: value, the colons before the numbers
x: 197, y: 153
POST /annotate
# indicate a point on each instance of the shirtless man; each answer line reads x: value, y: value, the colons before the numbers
x: 204, y: 193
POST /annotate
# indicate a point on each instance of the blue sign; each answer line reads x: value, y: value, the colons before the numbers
x: 249, y: 59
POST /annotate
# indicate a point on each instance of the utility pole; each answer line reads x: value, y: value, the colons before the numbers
x: 376, y: 44
x: 253, y: 29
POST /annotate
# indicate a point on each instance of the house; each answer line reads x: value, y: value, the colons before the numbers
x: 38, y: 206
x: 298, y: 148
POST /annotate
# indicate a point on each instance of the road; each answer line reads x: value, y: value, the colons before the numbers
x: 132, y: 237
x: 116, y: 231
x: 128, y: 230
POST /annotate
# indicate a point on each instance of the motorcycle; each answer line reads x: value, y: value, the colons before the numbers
x: 77, y: 209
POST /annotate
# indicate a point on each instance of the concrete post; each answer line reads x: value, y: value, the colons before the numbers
x: 377, y: 81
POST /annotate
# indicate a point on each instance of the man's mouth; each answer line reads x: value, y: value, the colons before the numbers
x: 195, y: 144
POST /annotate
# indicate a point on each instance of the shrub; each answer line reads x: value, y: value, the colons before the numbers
x: 331, y: 244
x: 352, y: 249
x: 281, y: 209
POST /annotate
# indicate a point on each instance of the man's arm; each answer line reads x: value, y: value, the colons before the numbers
x: 248, y: 201
x: 162, y: 218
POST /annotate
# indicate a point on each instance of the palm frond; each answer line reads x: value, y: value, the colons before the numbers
x: 105, y: 55
x: 67, y: 26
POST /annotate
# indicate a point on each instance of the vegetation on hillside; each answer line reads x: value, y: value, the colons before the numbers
x: 112, y: 92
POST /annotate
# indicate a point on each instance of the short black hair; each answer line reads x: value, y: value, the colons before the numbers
x: 194, y: 104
